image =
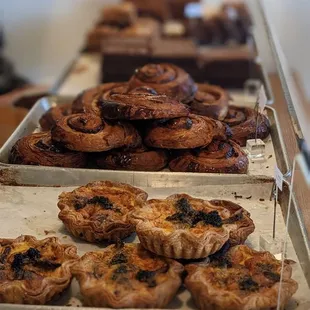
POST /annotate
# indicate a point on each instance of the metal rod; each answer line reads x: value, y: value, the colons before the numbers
x: 275, y: 212
x: 257, y: 115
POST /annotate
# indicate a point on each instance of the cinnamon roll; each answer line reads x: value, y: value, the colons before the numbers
x: 166, y: 79
x: 211, y: 101
x: 243, y: 124
x: 217, y: 157
x: 38, y: 149
x: 186, y: 132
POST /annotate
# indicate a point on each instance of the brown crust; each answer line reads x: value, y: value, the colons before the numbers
x: 185, y: 132
x: 217, y: 157
x: 217, y: 286
x: 34, y: 281
x: 102, y: 286
x: 38, y: 149
x: 89, y: 133
x: 85, y: 217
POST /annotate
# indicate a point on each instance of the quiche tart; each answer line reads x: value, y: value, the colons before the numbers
x: 181, y: 226
x: 242, y: 279
x: 127, y: 276
x: 99, y: 210
x: 34, y: 271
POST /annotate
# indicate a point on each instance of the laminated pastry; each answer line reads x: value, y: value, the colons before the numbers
x: 242, y: 279
x: 242, y: 122
x: 181, y: 226
x: 90, y: 133
x: 34, y: 271
x: 217, y: 157
x: 39, y: 149
x: 137, y: 159
x: 185, y: 132
x: 99, y: 210
x: 127, y: 276
x: 211, y: 101
x: 166, y: 79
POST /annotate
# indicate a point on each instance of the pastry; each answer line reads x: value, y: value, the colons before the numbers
x: 90, y: 133
x: 138, y: 159
x: 38, y: 149
x: 34, y: 271
x: 166, y: 79
x: 181, y: 226
x: 243, y: 124
x: 217, y: 157
x: 185, y: 132
x: 211, y: 101
x: 127, y: 276
x: 242, y: 279
x: 99, y: 210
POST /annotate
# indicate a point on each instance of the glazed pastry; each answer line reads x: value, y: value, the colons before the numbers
x: 185, y: 132
x: 217, y: 157
x: 242, y: 279
x: 127, y: 276
x: 166, y: 79
x: 90, y: 133
x: 138, y: 159
x: 181, y: 226
x: 99, y: 210
x: 34, y: 271
x: 211, y: 101
x: 243, y: 124
x: 38, y: 149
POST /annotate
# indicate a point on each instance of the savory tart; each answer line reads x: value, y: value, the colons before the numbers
x: 127, y: 276
x: 181, y: 226
x: 34, y: 271
x: 99, y: 210
x: 242, y: 279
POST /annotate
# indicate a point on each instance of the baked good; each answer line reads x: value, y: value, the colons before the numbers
x: 39, y: 149
x: 181, y: 226
x: 242, y: 122
x: 242, y: 279
x: 89, y: 133
x: 99, y: 210
x: 34, y: 271
x: 137, y: 159
x: 217, y: 157
x: 127, y: 276
x: 211, y: 101
x: 167, y: 79
x: 185, y: 132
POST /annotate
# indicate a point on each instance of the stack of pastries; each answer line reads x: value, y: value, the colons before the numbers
x: 159, y: 118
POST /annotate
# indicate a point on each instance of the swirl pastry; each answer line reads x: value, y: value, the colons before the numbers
x: 217, y: 157
x: 181, y: 226
x: 186, y: 132
x: 242, y: 279
x: 166, y: 79
x: 243, y: 124
x: 38, y: 149
x: 127, y: 276
x: 211, y: 101
x: 89, y: 133
x: 34, y: 271
x: 99, y: 210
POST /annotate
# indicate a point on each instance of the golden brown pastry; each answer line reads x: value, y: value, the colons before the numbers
x: 181, y: 226
x: 39, y: 149
x: 99, y: 210
x: 166, y: 79
x: 217, y: 157
x: 243, y: 124
x: 127, y: 276
x: 34, y: 271
x: 242, y: 279
x: 185, y: 132
x: 89, y: 133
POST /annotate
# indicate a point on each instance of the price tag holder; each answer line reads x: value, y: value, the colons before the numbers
x: 262, y: 99
x: 278, y: 177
